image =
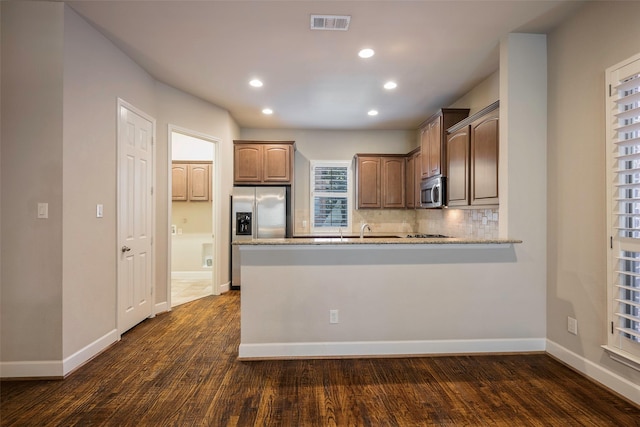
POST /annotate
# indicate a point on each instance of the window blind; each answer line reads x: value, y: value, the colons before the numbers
x: 330, y: 196
x: 624, y: 266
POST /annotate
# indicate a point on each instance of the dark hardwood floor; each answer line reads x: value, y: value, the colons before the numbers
x: 180, y: 369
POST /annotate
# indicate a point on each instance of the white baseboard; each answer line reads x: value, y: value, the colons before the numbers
x: 191, y: 275
x: 596, y: 372
x: 225, y: 287
x: 387, y: 348
x: 58, y: 368
x: 161, y: 307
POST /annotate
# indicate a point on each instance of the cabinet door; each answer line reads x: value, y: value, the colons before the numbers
x: 418, y: 179
x: 424, y: 152
x: 369, y: 185
x: 393, y: 182
x: 199, y: 182
x: 277, y: 163
x: 247, y: 163
x: 179, y: 181
x: 435, y: 147
x: 484, y: 160
x: 410, y: 174
x: 458, y: 167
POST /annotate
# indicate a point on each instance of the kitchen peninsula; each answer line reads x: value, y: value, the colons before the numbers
x: 381, y: 296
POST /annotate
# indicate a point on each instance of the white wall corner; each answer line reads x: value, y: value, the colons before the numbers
x: 90, y: 351
x: 161, y: 307
x: 596, y: 372
x: 58, y: 368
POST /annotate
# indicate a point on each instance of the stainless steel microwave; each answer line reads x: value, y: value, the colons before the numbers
x: 432, y: 192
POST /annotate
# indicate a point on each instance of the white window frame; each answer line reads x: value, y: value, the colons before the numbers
x: 313, y: 194
x: 623, y: 215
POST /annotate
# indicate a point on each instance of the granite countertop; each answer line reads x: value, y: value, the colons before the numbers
x: 374, y: 240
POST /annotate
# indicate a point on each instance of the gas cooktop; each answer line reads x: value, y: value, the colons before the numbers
x: 427, y: 236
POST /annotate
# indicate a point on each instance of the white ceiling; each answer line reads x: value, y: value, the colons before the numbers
x: 435, y: 50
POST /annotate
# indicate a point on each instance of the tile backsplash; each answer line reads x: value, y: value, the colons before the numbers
x: 385, y: 220
x: 474, y: 223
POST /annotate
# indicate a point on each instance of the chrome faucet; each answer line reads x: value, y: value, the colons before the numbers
x: 362, y: 227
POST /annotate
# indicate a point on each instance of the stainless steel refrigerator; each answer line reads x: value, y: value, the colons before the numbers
x: 258, y: 213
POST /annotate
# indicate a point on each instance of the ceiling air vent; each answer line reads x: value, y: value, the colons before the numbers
x: 330, y: 22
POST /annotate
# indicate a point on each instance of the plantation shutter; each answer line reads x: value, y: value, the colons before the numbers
x: 623, y: 134
x: 330, y: 204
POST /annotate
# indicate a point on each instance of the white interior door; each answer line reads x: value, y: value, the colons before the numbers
x: 135, y: 218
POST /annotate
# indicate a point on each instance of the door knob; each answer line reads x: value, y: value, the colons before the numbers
x: 125, y: 249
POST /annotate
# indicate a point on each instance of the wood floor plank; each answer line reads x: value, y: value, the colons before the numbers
x: 181, y: 369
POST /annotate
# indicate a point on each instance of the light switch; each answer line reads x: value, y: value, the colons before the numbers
x: 43, y: 210
x: 99, y: 210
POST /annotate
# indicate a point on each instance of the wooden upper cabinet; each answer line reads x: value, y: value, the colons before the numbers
x: 380, y: 180
x: 247, y: 163
x: 277, y: 163
x: 458, y: 167
x: 368, y: 174
x: 393, y: 182
x: 179, y: 180
x: 263, y: 163
x: 472, y: 159
x: 413, y: 175
x: 191, y: 181
x: 199, y: 181
x: 484, y: 159
x: 435, y: 148
x: 433, y: 140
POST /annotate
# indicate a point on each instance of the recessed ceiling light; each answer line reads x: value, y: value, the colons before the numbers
x: 366, y: 53
x: 255, y: 83
x: 267, y: 111
x: 373, y: 112
x: 390, y: 85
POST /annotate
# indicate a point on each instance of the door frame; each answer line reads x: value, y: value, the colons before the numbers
x: 119, y: 105
x: 216, y: 200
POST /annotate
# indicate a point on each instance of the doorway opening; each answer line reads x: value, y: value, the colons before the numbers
x: 193, y: 266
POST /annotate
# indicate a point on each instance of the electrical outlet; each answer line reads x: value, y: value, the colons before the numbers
x: 333, y: 316
x: 572, y: 325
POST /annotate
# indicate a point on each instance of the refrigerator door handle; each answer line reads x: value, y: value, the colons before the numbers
x: 256, y: 224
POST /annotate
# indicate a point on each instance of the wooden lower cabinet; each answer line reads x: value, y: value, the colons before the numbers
x: 380, y: 181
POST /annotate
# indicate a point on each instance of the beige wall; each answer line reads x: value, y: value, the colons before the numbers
x: 484, y: 94
x: 32, y: 158
x: 90, y: 157
x: 60, y: 83
x: 600, y: 35
x: 179, y: 109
